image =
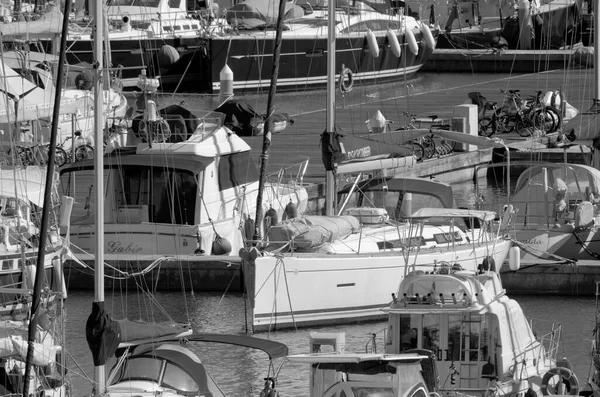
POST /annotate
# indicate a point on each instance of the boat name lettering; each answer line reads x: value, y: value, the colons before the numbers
x: 117, y: 247
x: 357, y: 153
x: 532, y: 241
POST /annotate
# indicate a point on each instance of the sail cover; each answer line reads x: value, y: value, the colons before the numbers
x: 105, y: 335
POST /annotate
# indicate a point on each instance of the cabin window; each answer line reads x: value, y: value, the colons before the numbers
x: 358, y: 27
x: 454, y: 326
x: 431, y: 333
x: 174, y: 3
x: 409, y: 332
x: 177, y: 378
x: 236, y: 169
x: 366, y: 391
x: 141, y: 368
x: 164, y: 195
x: 172, y: 196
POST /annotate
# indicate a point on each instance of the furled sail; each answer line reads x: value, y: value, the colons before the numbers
x: 105, y: 335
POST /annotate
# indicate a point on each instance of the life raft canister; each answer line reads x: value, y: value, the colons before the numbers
x: 567, y: 377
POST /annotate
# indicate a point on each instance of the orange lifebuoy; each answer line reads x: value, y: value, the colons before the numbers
x: 346, y: 80
x: 567, y: 377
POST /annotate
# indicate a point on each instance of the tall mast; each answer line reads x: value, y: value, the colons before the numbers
x: 264, y: 156
x: 37, y: 286
x: 98, y: 12
x: 329, y: 176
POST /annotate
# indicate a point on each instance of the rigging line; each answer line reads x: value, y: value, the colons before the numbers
x: 184, y: 73
x: 229, y: 284
x: 287, y: 288
x: 276, y: 282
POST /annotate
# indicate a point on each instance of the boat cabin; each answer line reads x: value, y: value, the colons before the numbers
x: 399, y: 196
x: 184, y: 183
x: 550, y: 194
x: 477, y: 333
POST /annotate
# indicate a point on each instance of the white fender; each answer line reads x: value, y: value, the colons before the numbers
x: 411, y: 40
x: 429, y: 40
x: 58, y: 284
x: 514, y: 258
x: 372, y: 42
x: 393, y: 43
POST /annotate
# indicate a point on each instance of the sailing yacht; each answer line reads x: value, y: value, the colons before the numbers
x: 345, y: 266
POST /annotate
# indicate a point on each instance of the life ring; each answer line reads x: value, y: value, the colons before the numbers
x: 346, y: 80
x: 567, y: 377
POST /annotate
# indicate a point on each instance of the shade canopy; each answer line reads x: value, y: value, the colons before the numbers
x: 21, y: 100
x: 24, y: 183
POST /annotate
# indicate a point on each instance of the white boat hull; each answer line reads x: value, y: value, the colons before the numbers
x: 324, y: 289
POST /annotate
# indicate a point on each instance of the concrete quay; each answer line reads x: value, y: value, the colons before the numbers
x: 495, y: 61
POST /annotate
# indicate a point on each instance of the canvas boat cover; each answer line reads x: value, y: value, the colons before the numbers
x: 310, y: 232
x: 24, y: 183
x: 105, y: 335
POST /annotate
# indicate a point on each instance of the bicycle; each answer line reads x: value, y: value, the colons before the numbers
x: 424, y: 145
x: 65, y: 153
x: 415, y: 147
x: 511, y: 115
x: 547, y: 118
x: 441, y: 145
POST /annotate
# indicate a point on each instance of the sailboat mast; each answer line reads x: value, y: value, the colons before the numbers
x: 596, y: 98
x: 329, y: 176
x: 99, y: 370
x: 37, y: 285
x: 264, y: 156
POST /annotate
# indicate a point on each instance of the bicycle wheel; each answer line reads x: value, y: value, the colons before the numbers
x: 417, y: 150
x: 486, y: 126
x: 60, y: 157
x: 84, y: 152
x: 552, y: 112
x: 428, y: 145
x: 543, y: 120
x: 501, y: 123
x: 524, y: 127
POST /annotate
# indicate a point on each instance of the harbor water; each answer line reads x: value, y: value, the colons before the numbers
x: 240, y: 371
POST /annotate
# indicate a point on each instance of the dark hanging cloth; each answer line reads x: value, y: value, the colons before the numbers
x: 175, y: 113
x: 102, y: 333
x: 331, y: 149
x: 238, y: 116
